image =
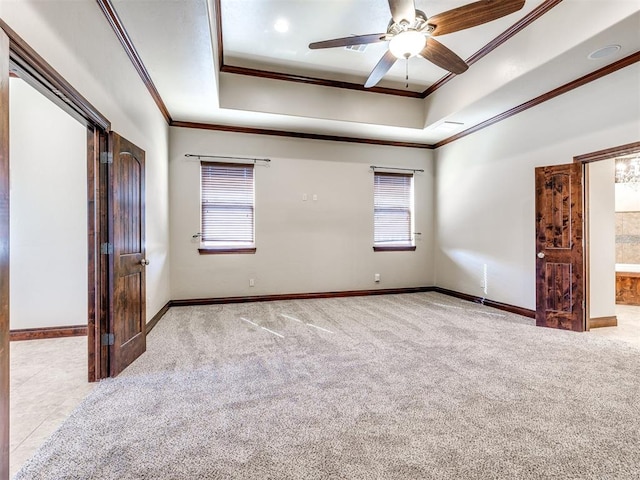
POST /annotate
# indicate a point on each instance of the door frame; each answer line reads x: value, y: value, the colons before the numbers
x: 584, y: 159
x: 4, y: 256
x: 25, y: 63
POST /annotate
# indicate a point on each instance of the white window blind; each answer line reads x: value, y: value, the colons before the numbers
x: 227, y: 204
x: 393, y: 201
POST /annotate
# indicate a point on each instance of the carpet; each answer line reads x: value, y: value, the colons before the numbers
x: 413, y: 386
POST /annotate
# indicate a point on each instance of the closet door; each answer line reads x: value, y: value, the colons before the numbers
x: 127, y: 212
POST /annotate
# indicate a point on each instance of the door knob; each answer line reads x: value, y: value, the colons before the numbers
x: 540, y: 254
x: 144, y: 262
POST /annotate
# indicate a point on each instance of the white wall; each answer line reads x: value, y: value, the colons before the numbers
x: 75, y: 38
x: 48, y: 201
x: 312, y: 246
x: 485, y: 183
x: 602, y: 238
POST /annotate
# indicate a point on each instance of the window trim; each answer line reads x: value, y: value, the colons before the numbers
x: 400, y: 247
x: 395, y: 248
x: 224, y: 249
x: 202, y: 250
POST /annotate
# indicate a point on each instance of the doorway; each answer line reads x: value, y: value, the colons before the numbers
x: 48, y: 261
x: 17, y: 57
x: 613, y: 271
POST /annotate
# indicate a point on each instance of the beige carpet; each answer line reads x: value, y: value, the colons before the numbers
x: 417, y: 386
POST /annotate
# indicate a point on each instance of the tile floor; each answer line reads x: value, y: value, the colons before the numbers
x: 49, y: 378
x: 628, y: 328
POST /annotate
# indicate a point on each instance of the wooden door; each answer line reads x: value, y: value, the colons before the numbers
x: 127, y: 253
x: 4, y: 256
x: 559, y: 248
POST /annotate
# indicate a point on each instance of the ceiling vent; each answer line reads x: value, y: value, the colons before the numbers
x: 356, y: 48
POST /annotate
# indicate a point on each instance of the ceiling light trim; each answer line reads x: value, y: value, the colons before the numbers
x: 604, y: 52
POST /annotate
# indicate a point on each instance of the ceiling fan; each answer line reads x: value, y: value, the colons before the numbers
x: 410, y: 33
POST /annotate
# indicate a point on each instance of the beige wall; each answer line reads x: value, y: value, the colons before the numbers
x: 302, y: 246
x: 485, y: 183
x: 48, y: 200
x: 78, y: 42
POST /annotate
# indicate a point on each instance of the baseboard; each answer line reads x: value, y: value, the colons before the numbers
x: 190, y: 302
x: 156, y: 318
x: 81, y: 330
x: 525, y: 312
x: 296, y: 296
x: 47, y: 332
x: 603, y: 322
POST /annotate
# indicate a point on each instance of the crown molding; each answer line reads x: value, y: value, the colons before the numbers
x: 310, y: 136
x: 123, y: 36
x: 520, y: 25
x: 488, y: 48
x: 567, y: 87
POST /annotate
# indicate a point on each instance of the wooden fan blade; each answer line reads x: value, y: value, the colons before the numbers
x: 440, y: 55
x: 402, y: 10
x: 472, y: 15
x: 379, y: 71
x: 346, y: 41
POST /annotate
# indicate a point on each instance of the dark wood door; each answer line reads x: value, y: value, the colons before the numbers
x: 127, y: 214
x: 559, y: 248
x: 4, y: 256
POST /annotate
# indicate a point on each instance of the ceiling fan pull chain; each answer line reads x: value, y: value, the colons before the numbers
x: 406, y: 75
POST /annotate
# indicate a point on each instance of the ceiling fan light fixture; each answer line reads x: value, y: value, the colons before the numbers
x: 407, y: 44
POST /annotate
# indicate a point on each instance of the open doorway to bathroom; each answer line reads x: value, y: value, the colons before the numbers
x: 627, y: 214
x: 613, y: 233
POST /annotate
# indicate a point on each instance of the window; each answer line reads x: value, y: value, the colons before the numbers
x: 227, y: 208
x: 393, y: 211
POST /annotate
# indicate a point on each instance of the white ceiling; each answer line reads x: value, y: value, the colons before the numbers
x: 177, y: 41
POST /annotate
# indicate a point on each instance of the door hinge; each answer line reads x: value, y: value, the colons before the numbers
x: 107, y: 339
x: 106, y: 157
x: 106, y: 248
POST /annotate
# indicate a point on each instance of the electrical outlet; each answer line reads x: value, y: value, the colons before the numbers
x: 305, y: 197
x: 252, y: 282
x: 376, y: 277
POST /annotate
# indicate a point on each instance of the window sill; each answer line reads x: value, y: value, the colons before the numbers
x: 395, y: 248
x: 226, y: 250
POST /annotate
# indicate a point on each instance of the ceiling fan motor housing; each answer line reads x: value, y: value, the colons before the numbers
x: 419, y: 24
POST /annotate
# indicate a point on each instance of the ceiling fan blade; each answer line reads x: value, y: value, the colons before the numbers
x: 473, y: 14
x: 402, y: 10
x: 346, y: 41
x: 379, y: 71
x: 440, y: 55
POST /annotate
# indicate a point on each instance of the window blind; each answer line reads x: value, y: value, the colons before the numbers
x: 393, y: 199
x: 227, y: 203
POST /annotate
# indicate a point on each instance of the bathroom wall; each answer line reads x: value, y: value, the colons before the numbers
x: 628, y: 223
